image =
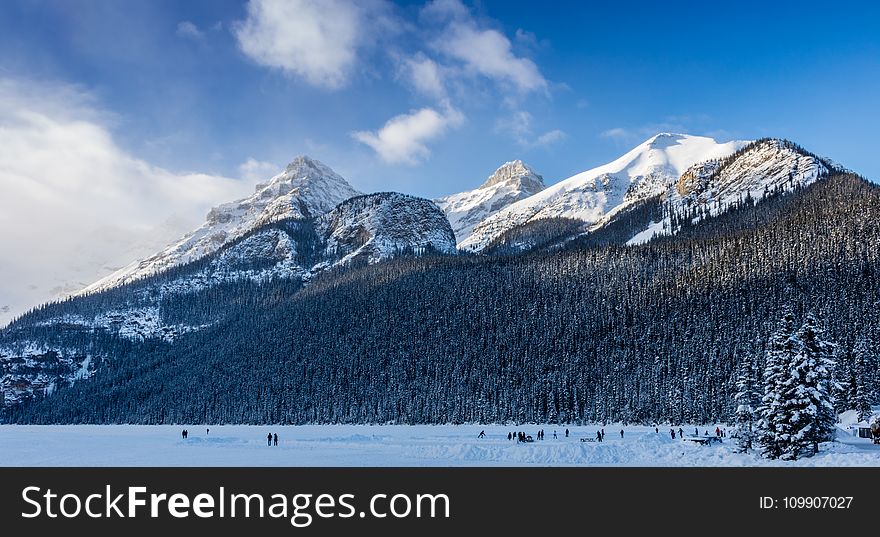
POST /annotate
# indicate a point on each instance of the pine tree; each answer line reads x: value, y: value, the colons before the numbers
x: 745, y: 399
x: 861, y: 398
x: 770, y: 426
x: 807, y: 409
x: 844, y: 379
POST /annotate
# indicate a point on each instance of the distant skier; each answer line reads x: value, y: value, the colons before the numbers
x: 696, y: 432
x: 621, y: 433
x: 672, y: 432
x: 680, y: 433
x: 718, y: 431
x: 269, y: 439
x: 275, y: 439
x: 566, y: 433
x: 482, y: 434
x: 598, y: 436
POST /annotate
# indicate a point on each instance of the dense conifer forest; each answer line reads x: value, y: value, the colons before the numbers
x: 588, y: 330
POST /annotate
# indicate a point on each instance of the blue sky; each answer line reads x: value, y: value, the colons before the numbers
x: 180, y: 89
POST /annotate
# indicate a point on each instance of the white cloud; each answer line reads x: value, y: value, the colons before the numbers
x: 617, y: 133
x: 518, y: 125
x: 313, y: 39
x: 73, y: 204
x: 189, y: 30
x: 402, y: 139
x: 424, y: 75
x: 483, y: 51
x: 254, y: 171
x: 550, y: 137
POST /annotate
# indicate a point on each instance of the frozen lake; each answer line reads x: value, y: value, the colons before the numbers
x: 384, y: 445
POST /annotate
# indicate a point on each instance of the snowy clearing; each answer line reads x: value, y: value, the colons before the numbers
x: 386, y: 445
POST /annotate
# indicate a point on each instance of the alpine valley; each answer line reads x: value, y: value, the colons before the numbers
x: 637, y: 291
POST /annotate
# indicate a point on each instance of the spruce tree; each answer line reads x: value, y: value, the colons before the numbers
x: 745, y: 399
x: 861, y: 397
x: 770, y: 425
x: 807, y: 409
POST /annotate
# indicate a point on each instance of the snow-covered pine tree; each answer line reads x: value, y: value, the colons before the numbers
x: 862, y: 397
x: 807, y: 407
x: 844, y: 384
x: 776, y: 357
x: 745, y: 399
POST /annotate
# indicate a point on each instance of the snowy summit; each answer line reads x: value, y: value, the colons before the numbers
x: 511, y: 182
x: 307, y: 188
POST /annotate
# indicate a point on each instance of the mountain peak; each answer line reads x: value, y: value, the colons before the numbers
x: 662, y: 140
x: 516, y: 171
x: 304, y: 162
x: 306, y: 188
x: 511, y: 182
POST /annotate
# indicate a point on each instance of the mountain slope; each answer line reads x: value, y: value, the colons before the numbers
x: 511, y: 182
x: 646, y: 334
x: 55, y: 344
x: 711, y: 187
x: 597, y: 194
x: 305, y: 189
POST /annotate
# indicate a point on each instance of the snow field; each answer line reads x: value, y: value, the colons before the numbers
x: 387, y: 445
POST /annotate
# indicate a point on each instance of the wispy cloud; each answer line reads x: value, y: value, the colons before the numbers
x: 96, y: 201
x: 518, y: 125
x: 483, y: 51
x: 403, y: 138
x: 682, y: 124
x: 316, y: 40
x: 253, y: 170
x: 188, y: 30
x: 617, y: 133
x: 424, y: 74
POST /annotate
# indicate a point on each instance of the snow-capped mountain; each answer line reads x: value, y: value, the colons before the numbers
x: 375, y: 227
x: 511, y: 182
x: 597, y: 194
x: 761, y: 167
x: 305, y: 189
x: 364, y: 229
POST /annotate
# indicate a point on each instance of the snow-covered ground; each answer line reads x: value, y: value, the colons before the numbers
x: 386, y: 445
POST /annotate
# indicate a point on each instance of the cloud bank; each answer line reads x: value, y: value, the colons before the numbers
x: 76, y: 205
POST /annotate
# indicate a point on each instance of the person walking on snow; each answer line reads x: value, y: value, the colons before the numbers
x: 482, y: 434
x: 680, y: 433
x: 621, y: 433
x: 554, y: 435
x: 566, y: 433
x: 276, y: 439
x: 717, y: 431
x: 269, y: 439
x: 598, y: 436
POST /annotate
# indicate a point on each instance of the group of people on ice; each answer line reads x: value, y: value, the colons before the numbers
x: 520, y: 436
x: 185, y: 433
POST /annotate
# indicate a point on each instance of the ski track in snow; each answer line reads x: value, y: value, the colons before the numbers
x: 386, y: 445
